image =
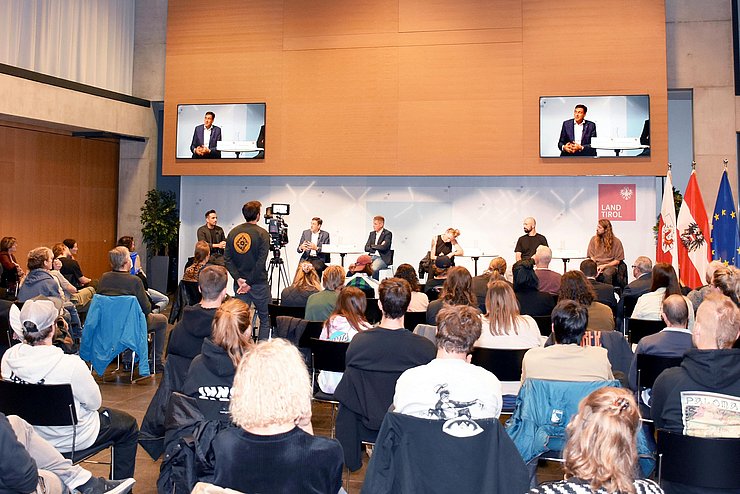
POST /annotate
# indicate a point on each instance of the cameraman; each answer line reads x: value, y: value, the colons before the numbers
x: 247, y: 247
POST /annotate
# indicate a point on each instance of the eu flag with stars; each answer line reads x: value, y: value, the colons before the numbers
x: 725, y: 238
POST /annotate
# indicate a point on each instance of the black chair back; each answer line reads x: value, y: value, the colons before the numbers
x: 544, y: 323
x: 639, y: 328
x: 413, y: 319
x: 275, y: 310
x: 649, y: 368
x: 328, y: 355
x: 709, y: 463
x: 506, y: 365
x: 49, y: 405
x: 372, y: 312
x: 312, y: 331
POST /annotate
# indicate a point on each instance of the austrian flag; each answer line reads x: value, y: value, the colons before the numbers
x: 694, y: 250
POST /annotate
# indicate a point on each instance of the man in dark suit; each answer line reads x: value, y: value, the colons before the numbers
x: 378, y: 245
x: 311, y: 243
x: 205, y: 138
x: 576, y: 134
x: 604, y: 291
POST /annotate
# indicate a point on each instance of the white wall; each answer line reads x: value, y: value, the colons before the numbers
x: 488, y: 211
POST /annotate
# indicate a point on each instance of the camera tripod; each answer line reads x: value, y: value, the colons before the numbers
x: 277, y: 263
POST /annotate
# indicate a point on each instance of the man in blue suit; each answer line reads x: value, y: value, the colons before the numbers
x: 205, y: 138
x: 575, y: 137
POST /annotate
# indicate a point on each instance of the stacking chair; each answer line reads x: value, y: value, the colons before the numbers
x: 187, y: 294
x: 50, y: 405
x: 649, y: 367
x: 506, y: 365
x: 544, y: 323
x: 639, y: 328
x: 700, y: 462
x: 413, y: 319
x: 275, y: 310
x: 327, y: 356
x: 372, y: 312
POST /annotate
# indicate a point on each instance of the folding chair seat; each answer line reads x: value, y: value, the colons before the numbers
x: 327, y: 356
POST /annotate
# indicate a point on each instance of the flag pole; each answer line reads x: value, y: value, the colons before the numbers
x: 693, y: 166
x: 724, y: 162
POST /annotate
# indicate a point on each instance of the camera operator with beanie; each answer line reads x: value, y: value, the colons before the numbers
x: 247, y: 247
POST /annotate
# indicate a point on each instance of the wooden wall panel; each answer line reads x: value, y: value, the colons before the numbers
x: 412, y: 87
x: 56, y: 186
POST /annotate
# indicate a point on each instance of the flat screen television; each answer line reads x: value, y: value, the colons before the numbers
x: 612, y: 126
x: 236, y: 131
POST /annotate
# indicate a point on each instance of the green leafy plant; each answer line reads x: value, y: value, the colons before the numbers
x: 160, y: 221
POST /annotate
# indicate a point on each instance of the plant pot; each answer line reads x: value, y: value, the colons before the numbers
x: 158, y: 273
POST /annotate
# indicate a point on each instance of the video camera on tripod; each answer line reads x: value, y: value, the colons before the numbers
x: 276, y: 226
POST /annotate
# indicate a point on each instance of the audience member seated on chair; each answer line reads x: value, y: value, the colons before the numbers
x: 271, y: 405
x: 727, y: 281
x: 319, y: 306
x: 201, y: 256
x: 419, y: 300
x: 12, y: 273
x: 696, y: 296
x: 567, y: 360
x: 67, y: 292
x: 532, y: 302
x: 186, y: 337
x: 496, y: 271
x: 375, y: 359
x: 160, y: 301
x: 81, y: 297
x: 450, y: 386
x: 71, y: 268
x: 360, y: 275
x: 601, y: 450
x: 211, y: 374
x: 504, y: 328
x: 343, y: 324
x: 684, y: 398
x: 38, y: 362
x: 575, y: 286
x: 305, y: 283
x: 665, y: 283
x: 440, y: 271
x: 673, y: 341
x: 120, y: 281
x: 549, y: 279
x: 28, y: 463
x: 604, y: 291
x: 457, y: 290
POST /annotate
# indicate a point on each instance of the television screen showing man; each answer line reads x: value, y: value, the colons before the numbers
x: 205, y: 138
x: 576, y: 134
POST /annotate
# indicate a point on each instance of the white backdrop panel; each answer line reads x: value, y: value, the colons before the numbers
x: 487, y: 210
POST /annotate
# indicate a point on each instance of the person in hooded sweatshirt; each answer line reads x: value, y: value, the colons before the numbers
x: 211, y: 373
x: 186, y: 338
x: 39, y: 280
x: 37, y: 361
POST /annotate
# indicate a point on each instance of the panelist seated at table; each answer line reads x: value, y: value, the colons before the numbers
x: 576, y: 134
x: 378, y: 245
x: 205, y: 138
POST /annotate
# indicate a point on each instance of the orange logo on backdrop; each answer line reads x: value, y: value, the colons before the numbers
x: 617, y: 202
x: 242, y: 243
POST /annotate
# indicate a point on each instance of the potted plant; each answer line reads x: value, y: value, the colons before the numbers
x: 160, y: 224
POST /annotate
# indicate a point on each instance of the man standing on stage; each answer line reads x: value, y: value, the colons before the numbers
x: 312, y: 240
x: 527, y: 244
x: 247, y: 247
x: 606, y: 250
x: 378, y: 245
x: 214, y: 236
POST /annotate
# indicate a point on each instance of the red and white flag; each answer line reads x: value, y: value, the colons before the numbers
x: 694, y: 250
x: 667, y: 245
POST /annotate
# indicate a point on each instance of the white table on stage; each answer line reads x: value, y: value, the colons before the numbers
x: 238, y: 147
x: 566, y: 255
x: 476, y: 254
x: 617, y: 144
x: 342, y: 250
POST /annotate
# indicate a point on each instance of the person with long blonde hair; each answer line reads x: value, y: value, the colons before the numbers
x: 212, y: 372
x: 343, y: 324
x: 446, y: 245
x: 305, y: 283
x: 271, y: 406
x: 606, y: 250
x: 601, y: 450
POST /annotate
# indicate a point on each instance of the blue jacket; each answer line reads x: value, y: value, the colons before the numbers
x: 114, y: 324
x: 38, y: 282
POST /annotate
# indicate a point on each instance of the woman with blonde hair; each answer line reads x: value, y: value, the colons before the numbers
x: 343, y: 324
x: 305, y: 283
x: 727, y: 280
x: 271, y: 405
x: 214, y: 368
x: 446, y: 245
x: 601, y: 450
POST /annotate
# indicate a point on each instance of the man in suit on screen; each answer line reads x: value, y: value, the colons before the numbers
x: 576, y: 134
x: 205, y: 138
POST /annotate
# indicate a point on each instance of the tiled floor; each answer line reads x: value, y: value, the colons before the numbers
x: 135, y: 398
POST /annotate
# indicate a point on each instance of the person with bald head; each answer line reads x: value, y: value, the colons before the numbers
x: 527, y: 244
x: 672, y: 341
x: 549, y: 279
